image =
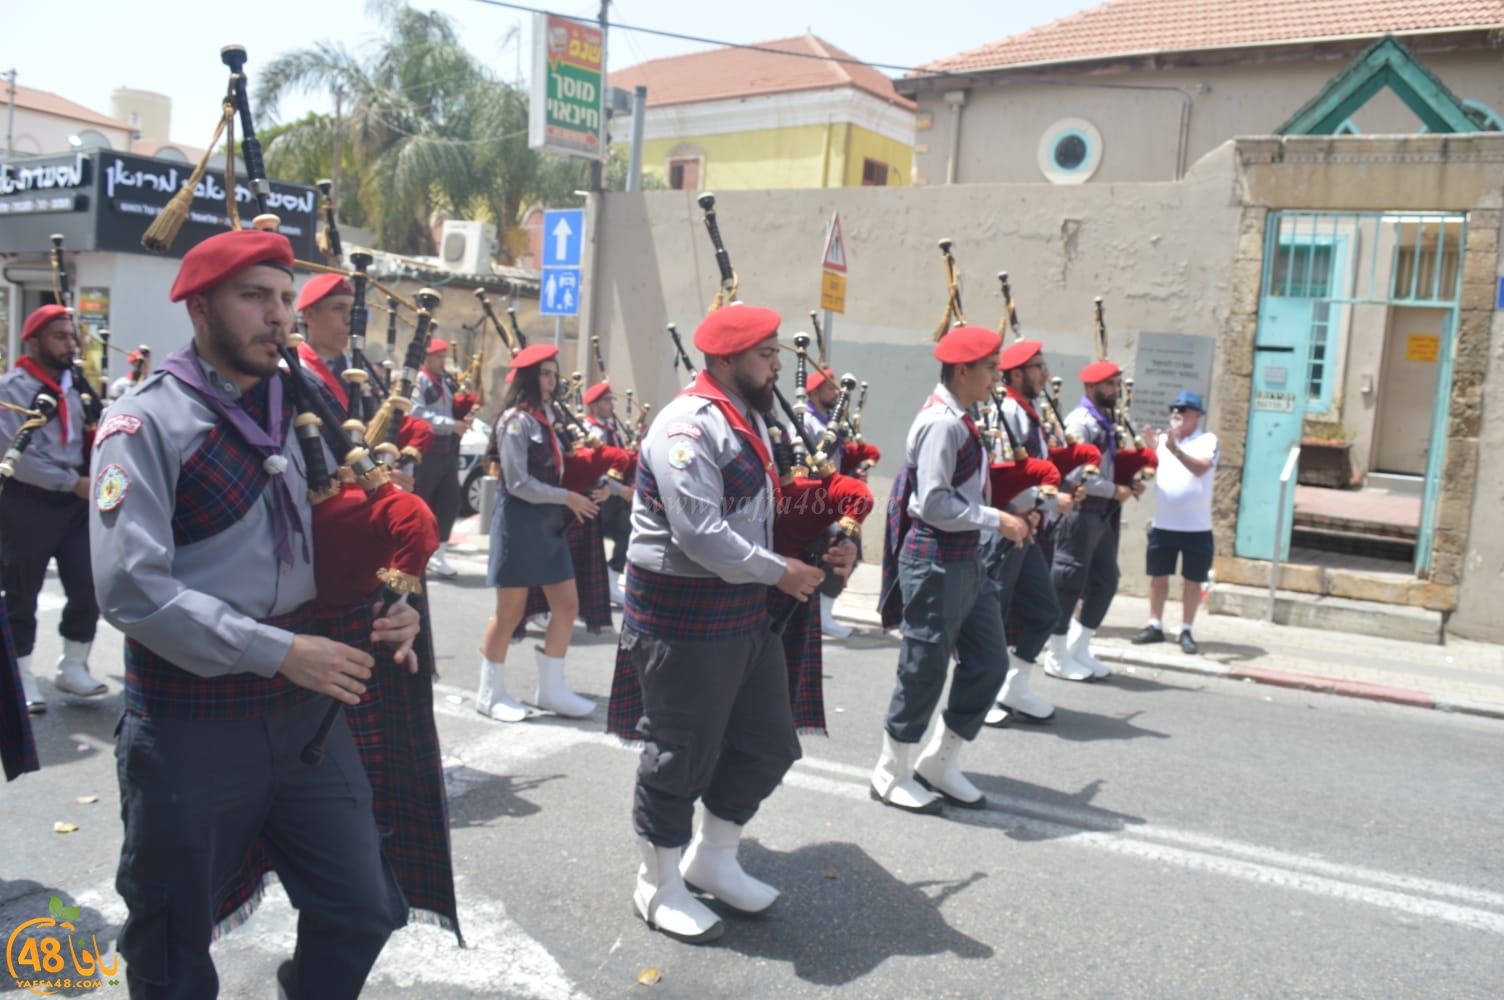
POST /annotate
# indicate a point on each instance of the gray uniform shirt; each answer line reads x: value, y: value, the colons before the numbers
x: 1081, y: 421
x: 440, y: 414
x: 196, y: 604
x: 47, y: 462
x: 685, y: 449
x: 517, y: 430
x: 935, y: 441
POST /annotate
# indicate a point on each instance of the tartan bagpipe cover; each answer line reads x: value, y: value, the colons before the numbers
x: 856, y: 454
x: 356, y: 535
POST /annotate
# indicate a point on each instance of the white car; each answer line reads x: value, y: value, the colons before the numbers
x: 473, y: 466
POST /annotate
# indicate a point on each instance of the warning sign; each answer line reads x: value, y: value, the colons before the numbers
x: 834, y: 258
x: 833, y: 292
x: 1422, y: 347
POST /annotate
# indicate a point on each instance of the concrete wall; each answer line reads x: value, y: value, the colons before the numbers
x: 1002, y: 124
x: 1159, y: 254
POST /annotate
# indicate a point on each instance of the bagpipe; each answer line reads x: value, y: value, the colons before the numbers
x: 814, y: 498
x: 1134, y: 463
x: 853, y: 456
x: 371, y: 541
x: 384, y: 432
x: 43, y: 406
x: 92, y: 399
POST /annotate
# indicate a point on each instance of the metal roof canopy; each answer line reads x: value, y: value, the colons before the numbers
x: 1387, y: 64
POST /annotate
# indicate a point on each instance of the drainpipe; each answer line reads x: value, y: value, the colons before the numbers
x: 956, y: 99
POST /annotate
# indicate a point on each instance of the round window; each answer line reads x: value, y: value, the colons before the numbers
x: 1070, y: 151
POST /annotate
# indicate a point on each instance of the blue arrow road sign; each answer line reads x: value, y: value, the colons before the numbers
x: 563, y: 235
x: 560, y: 294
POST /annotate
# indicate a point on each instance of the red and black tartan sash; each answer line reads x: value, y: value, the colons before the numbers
x: 743, y: 480
x: 223, y: 479
x: 692, y: 608
x: 156, y: 687
x: 929, y: 544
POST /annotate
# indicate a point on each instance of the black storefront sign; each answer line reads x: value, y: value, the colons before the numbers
x: 105, y: 201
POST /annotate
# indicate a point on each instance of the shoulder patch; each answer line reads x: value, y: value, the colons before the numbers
x: 684, y: 428
x: 110, y: 487
x: 680, y: 454
x: 117, y: 423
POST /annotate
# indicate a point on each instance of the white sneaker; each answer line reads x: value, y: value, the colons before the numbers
x: 829, y: 627
x: 1080, y: 648
x: 491, y: 698
x: 439, y: 566
x: 1058, y: 662
x: 553, y: 694
x: 73, y: 675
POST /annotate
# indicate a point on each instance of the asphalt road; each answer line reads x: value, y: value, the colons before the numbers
x: 1166, y: 836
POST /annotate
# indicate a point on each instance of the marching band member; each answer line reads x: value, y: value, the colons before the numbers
x: 1027, y: 590
x: 933, y: 583
x: 324, y: 305
x: 140, y: 362
x: 1085, y: 566
x: 18, y: 748
x: 438, y: 477
x: 616, y: 508
x: 716, y: 724
x: 196, y: 471
x: 528, y: 543
x: 44, y: 513
x: 822, y: 392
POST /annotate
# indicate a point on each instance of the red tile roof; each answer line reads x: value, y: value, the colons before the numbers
x: 729, y: 73
x: 47, y: 103
x: 1133, y: 27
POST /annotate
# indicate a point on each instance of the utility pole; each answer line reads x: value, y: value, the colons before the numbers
x: 598, y: 167
x: 10, y: 115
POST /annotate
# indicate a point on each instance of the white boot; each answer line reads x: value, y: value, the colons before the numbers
x: 439, y: 566
x: 893, y: 779
x: 829, y: 627
x: 553, y: 694
x: 35, y: 703
x: 1080, y: 647
x: 1018, y: 699
x: 613, y: 581
x: 710, y: 866
x: 936, y: 768
x: 1058, y: 662
x: 73, y: 675
x: 663, y: 900
x: 491, y: 698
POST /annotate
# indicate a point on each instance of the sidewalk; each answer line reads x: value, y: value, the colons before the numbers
x: 1461, y: 676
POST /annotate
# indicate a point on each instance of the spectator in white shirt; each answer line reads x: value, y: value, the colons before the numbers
x: 1182, y: 524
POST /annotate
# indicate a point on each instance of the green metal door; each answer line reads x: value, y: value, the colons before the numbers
x: 1281, y: 359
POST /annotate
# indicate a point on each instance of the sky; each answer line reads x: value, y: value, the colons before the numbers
x: 115, y: 44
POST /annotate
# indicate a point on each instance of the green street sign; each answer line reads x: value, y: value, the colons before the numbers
x: 567, y: 113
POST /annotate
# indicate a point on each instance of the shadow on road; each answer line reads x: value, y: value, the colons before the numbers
x: 479, y: 797
x: 842, y: 914
x: 1027, y: 812
x: 1087, y: 727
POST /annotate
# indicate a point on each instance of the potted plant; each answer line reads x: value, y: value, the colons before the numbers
x: 1326, y: 455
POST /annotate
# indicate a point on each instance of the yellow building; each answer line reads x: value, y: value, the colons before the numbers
x: 806, y: 116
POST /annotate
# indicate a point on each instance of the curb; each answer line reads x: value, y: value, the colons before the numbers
x: 1258, y: 675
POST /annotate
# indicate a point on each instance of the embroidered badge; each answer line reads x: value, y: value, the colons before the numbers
x: 110, y: 488
x: 117, y: 423
x: 685, y: 429
x: 680, y: 454
x: 515, y: 427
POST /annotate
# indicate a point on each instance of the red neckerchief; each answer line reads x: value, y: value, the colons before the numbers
x: 36, y: 371
x: 317, y: 365
x: 976, y: 434
x: 1028, y: 407
x: 548, y: 431
x: 705, y: 387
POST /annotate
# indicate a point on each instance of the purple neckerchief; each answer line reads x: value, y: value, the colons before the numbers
x: 1107, y: 426
x: 184, y: 364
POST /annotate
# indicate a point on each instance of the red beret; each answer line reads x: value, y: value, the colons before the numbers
x: 224, y: 254
x: 1099, y: 371
x: 815, y: 379
x: 596, y: 392
x: 966, y: 344
x: 41, y: 318
x: 736, y: 328
x: 535, y: 354
x: 1018, y: 353
x: 320, y: 287
x: 437, y: 344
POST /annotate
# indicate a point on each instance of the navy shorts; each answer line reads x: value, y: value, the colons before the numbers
x: 1195, y: 549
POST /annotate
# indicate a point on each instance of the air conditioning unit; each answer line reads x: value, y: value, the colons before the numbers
x: 465, y: 246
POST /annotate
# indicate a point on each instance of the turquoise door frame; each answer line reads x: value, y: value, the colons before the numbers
x: 1425, y: 538
x: 1276, y: 410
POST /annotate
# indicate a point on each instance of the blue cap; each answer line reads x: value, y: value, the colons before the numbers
x: 1189, y: 400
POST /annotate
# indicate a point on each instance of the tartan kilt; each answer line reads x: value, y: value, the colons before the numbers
x: 624, y: 710
x: 18, y: 748
x: 398, y: 742
x: 802, y: 653
x: 587, y: 550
